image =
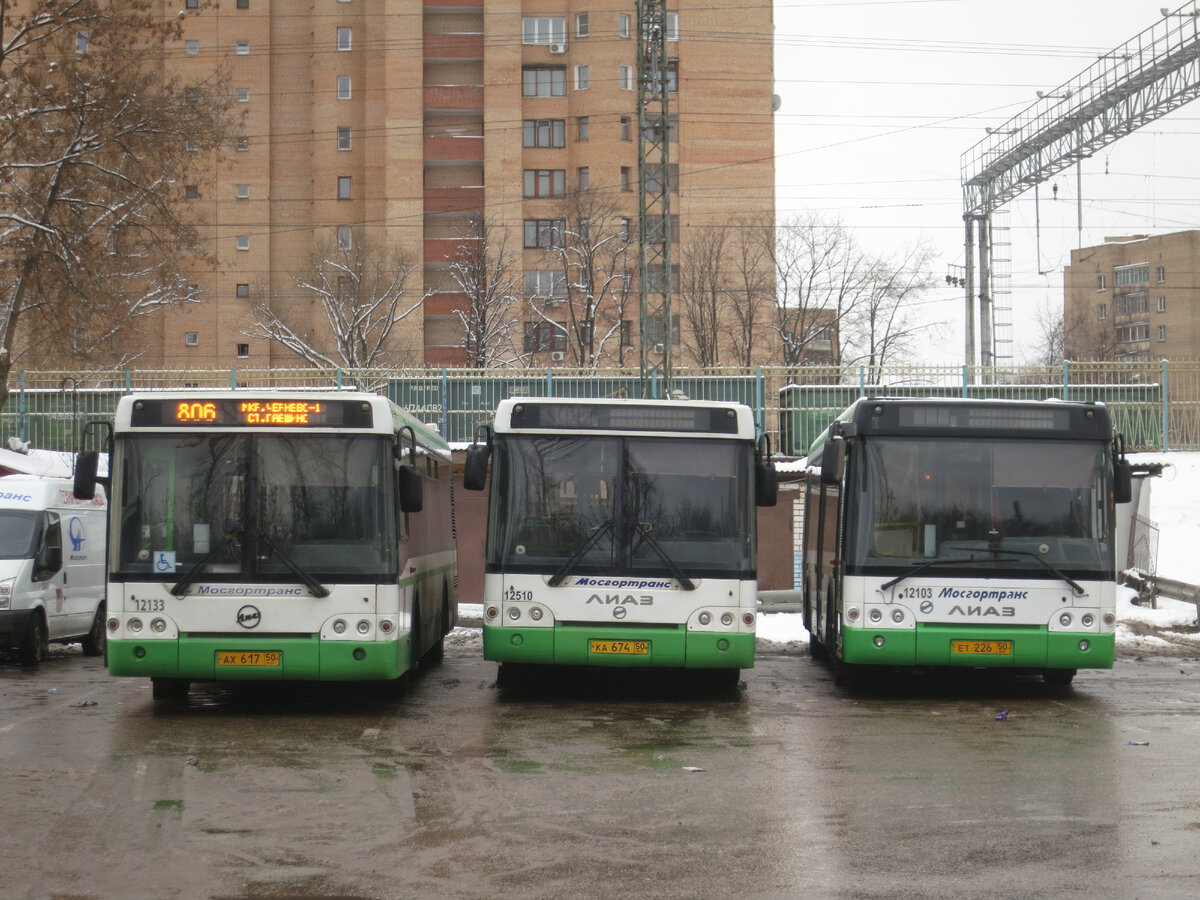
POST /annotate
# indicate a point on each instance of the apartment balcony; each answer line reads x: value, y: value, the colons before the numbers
x: 433, y: 6
x: 454, y: 98
x: 439, y: 251
x: 445, y: 303
x: 453, y: 47
x: 453, y: 199
x: 464, y: 148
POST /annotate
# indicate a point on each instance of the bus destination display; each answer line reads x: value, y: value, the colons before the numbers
x: 258, y: 412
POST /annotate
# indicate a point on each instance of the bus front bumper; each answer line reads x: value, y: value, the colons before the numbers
x: 632, y: 646
x: 933, y: 645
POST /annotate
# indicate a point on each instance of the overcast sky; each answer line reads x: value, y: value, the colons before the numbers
x: 881, y: 99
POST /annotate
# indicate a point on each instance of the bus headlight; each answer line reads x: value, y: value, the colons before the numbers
x: 875, y: 615
x: 135, y: 625
x: 158, y: 626
x: 879, y: 640
x: 704, y: 618
x: 727, y: 619
x: 1088, y: 619
x: 339, y: 626
x: 514, y: 613
x: 1084, y: 646
x: 363, y: 626
x: 897, y: 616
x: 536, y: 614
x: 1064, y: 620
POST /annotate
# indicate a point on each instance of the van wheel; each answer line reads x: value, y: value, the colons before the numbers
x: 37, y: 641
x: 94, y: 641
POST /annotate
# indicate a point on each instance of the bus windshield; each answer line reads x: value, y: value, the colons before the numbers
x: 324, y: 504
x: 603, y: 505
x: 1023, y: 505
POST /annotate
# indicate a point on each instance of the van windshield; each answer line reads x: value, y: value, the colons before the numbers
x: 18, y: 529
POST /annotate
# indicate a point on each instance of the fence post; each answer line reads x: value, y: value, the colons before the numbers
x: 339, y: 378
x: 233, y: 379
x: 549, y: 381
x: 862, y: 381
x: 1066, y: 380
x: 446, y: 405
x: 128, y: 381
x: 966, y: 381
x: 760, y: 413
x: 1166, y: 407
x: 21, y: 406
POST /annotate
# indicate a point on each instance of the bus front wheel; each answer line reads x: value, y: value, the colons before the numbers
x: 1058, y: 677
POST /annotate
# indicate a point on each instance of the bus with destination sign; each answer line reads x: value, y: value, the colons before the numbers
x: 621, y: 532
x: 964, y: 533
x: 298, y: 535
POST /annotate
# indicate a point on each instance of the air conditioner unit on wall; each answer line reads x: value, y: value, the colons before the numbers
x: 557, y: 356
x: 558, y: 48
x: 658, y: 348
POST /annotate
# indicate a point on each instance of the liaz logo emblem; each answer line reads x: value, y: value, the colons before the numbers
x: 249, y: 616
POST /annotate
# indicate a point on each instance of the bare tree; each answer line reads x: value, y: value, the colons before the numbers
x: 592, y: 248
x: 1086, y: 336
x: 486, y: 273
x: 884, y: 322
x: 362, y: 290
x: 94, y: 145
x: 703, y: 296
x: 751, y: 292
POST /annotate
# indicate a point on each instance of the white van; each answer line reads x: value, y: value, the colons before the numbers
x: 52, y: 585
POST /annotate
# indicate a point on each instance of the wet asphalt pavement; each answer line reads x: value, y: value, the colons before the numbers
x: 616, y: 784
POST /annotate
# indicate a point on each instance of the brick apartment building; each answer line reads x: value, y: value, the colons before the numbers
x: 1133, y: 299
x: 404, y: 121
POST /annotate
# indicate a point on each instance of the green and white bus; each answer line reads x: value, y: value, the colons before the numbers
x: 622, y: 533
x: 260, y: 535
x: 970, y: 533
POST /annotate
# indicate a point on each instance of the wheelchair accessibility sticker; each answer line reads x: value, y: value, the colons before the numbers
x: 164, y: 560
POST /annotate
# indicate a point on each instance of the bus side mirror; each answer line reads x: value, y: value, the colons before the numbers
x: 475, y: 467
x: 766, y: 484
x: 86, y: 466
x: 833, y: 460
x: 410, y: 488
x: 1122, y: 481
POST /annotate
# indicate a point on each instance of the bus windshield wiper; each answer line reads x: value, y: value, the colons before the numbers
x: 315, y: 587
x: 1076, y: 588
x: 644, y: 529
x: 562, y: 571
x: 939, y: 561
x: 181, y: 586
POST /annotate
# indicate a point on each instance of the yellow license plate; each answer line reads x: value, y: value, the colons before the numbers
x: 249, y: 658
x: 620, y: 648
x: 982, y: 648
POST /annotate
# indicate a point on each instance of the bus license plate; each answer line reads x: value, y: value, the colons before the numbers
x: 249, y: 658
x: 982, y: 648
x: 620, y: 648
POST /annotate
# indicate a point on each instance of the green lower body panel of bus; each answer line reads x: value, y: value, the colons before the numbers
x: 264, y: 658
x: 584, y: 645
x: 949, y: 645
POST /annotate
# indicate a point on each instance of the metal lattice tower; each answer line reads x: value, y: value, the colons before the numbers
x: 1140, y: 81
x: 654, y: 199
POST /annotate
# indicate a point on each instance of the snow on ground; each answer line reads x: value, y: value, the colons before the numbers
x: 1169, y: 630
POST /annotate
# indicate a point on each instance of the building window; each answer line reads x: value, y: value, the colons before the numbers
x: 584, y: 127
x: 1162, y: 303
x: 1130, y: 304
x: 1102, y: 311
x: 1135, y: 274
x: 1101, y: 283
x: 243, y: 350
x: 191, y: 145
x: 243, y: 48
x: 623, y: 25
x: 626, y: 225
x: 545, y: 284
x: 191, y: 4
x: 243, y: 4
x: 191, y: 338
x: 243, y: 191
x: 243, y: 143
x: 343, y: 87
x: 581, y: 25
x: 544, y: 81
x: 343, y: 187
x: 654, y: 229
x: 544, y: 336
x: 625, y: 77
x: 625, y: 128
x: 191, y: 192
x: 545, y: 182
x: 83, y: 39
x: 243, y: 95
x: 625, y: 178
x: 581, y: 78
x: 1134, y: 333
x: 544, y: 132
x: 191, y: 48
x: 343, y: 137
x: 1161, y: 274
x: 672, y: 23
x: 584, y: 178
x: 544, y: 234
x: 243, y: 290
x: 1162, y: 333
x: 543, y: 30
x: 345, y: 289
x: 345, y: 240
x: 191, y: 95
x: 626, y: 333
x: 243, y: 242
x: 654, y: 330
x: 343, y: 39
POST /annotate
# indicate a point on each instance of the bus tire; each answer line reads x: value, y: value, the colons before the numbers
x: 816, y: 649
x: 95, y: 642
x: 1058, y: 677
x: 37, y: 641
x: 171, y: 689
x: 436, y: 653
x: 829, y: 639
